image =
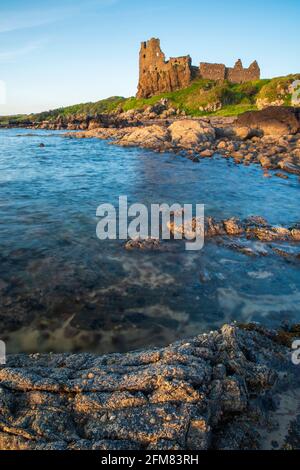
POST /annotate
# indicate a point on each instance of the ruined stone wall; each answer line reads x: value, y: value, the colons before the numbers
x: 158, y: 75
x: 213, y: 71
x: 238, y: 74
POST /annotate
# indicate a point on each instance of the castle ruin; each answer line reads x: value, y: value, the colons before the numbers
x: 158, y: 75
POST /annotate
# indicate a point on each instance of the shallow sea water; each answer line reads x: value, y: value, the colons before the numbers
x: 62, y: 289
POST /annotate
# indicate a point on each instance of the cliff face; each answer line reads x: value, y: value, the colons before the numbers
x: 158, y: 75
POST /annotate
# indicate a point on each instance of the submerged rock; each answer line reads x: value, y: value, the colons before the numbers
x: 281, y: 175
x: 140, y: 244
x: 195, y: 394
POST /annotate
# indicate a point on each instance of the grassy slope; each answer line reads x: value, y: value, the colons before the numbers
x: 235, y: 99
x: 103, y: 106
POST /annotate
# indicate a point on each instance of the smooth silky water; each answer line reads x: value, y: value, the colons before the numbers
x: 62, y: 289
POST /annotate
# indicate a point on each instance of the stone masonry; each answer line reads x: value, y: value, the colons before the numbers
x: 157, y: 75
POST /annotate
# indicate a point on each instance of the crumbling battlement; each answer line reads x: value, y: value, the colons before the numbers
x: 238, y: 74
x: 159, y: 76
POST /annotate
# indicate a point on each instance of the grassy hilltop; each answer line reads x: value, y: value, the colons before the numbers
x: 201, y: 98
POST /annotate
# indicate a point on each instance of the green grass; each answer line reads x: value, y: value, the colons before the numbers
x: 81, y: 110
x: 278, y: 89
x: 202, y: 94
x: 235, y: 110
x: 104, y: 106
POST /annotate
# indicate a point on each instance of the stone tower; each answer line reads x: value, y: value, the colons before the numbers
x: 158, y: 75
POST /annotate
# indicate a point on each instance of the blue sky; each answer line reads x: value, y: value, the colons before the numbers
x: 61, y: 52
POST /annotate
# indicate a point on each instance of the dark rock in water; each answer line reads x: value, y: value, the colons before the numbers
x: 233, y: 227
x: 250, y: 228
x: 275, y: 120
x: 295, y: 231
x: 140, y: 244
x: 281, y: 175
x: 210, y: 392
x: 245, y: 250
x: 194, y: 159
x: 256, y: 221
x: 288, y: 256
x: 290, y: 167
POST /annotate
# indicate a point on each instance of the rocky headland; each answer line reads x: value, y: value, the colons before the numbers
x: 235, y: 388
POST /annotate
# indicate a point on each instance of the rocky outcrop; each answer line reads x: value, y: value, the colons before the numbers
x: 153, y: 137
x: 241, y: 139
x: 274, y: 121
x: 189, y: 133
x: 74, y: 122
x: 140, y: 244
x: 184, y: 134
x: 252, y: 228
x: 216, y: 391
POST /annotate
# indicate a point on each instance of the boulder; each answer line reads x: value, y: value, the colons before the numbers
x: 233, y: 227
x: 266, y: 162
x: 207, y: 153
x: 154, y: 137
x: 222, y: 145
x: 246, y: 132
x: 295, y: 231
x: 189, y: 133
x: 275, y: 121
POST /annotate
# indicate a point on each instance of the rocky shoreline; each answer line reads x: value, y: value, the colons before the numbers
x: 269, y: 138
x: 238, y: 235
x: 235, y: 388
